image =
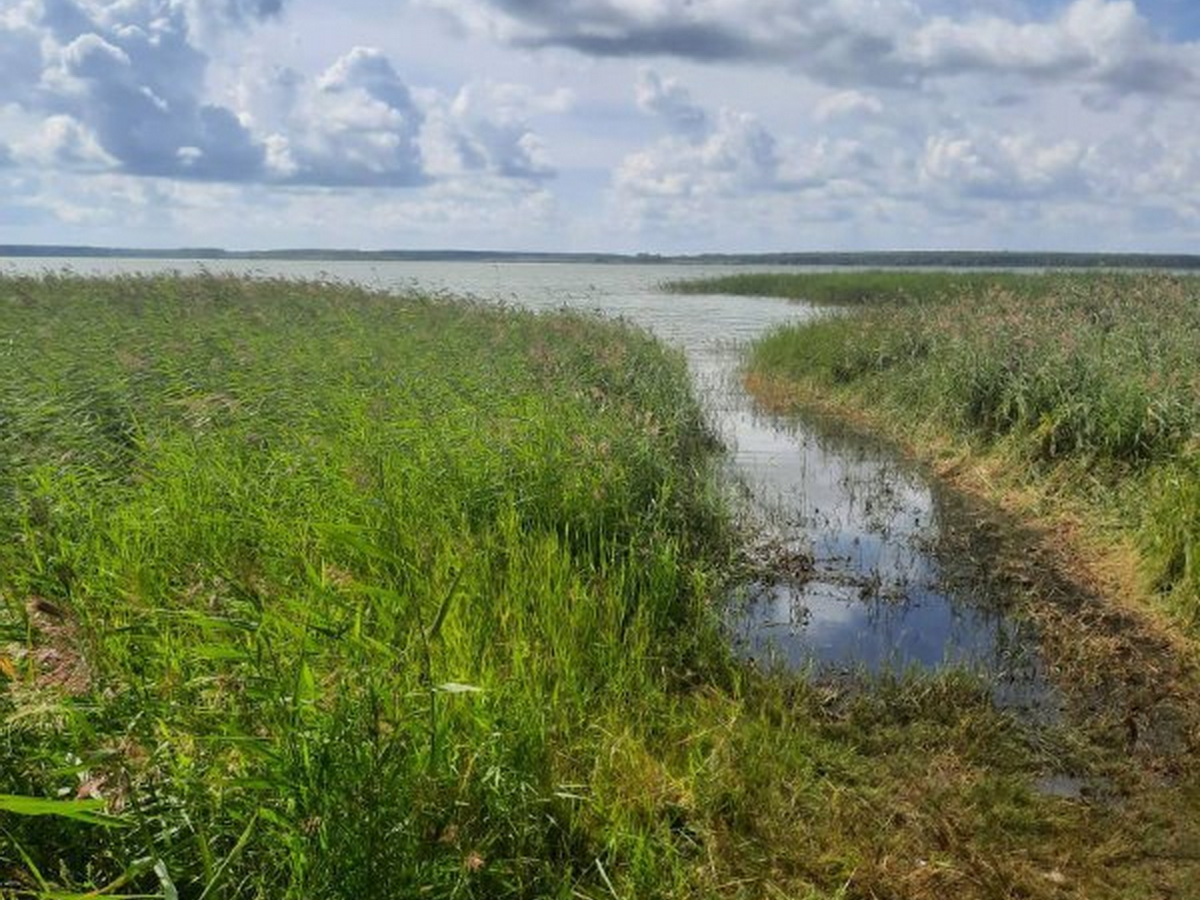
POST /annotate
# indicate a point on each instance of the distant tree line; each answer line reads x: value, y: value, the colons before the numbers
x: 874, y: 259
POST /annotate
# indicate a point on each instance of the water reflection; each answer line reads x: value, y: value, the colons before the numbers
x: 880, y: 597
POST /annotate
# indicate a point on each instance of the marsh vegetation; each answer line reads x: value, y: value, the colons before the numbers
x: 1086, y: 384
x: 313, y: 591
x: 1066, y: 409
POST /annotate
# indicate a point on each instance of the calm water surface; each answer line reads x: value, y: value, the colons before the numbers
x: 880, y: 597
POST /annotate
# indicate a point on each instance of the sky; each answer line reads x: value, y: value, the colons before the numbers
x: 662, y: 126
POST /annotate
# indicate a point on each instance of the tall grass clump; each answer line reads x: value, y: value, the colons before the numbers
x: 1095, y: 375
x: 1170, y: 532
x: 313, y: 592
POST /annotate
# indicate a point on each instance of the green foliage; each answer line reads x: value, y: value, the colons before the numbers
x: 314, y: 586
x: 1170, y: 533
x: 312, y: 592
x: 854, y: 287
x: 1097, y: 372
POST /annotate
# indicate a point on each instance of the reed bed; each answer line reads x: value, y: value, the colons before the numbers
x: 313, y: 592
x: 306, y: 584
x: 868, y: 286
x: 1090, y: 380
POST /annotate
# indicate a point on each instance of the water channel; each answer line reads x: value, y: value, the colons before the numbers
x: 881, y: 596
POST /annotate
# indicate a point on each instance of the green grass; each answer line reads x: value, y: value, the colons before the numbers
x: 1092, y: 380
x: 335, y: 570
x: 307, y: 591
x: 851, y: 288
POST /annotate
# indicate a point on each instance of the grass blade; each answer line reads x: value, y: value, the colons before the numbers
x: 78, y: 810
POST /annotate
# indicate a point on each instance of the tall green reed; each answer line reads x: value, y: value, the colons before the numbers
x: 317, y: 587
x: 1098, y: 373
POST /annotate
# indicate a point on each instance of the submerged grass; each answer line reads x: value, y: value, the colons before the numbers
x: 307, y: 591
x: 1074, y: 402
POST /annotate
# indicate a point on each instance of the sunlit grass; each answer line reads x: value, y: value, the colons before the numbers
x: 307, y: 591
x: 856, y: 287
x: 346, y: 572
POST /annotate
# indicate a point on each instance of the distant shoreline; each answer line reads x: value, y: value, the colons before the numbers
x: 884, y: 259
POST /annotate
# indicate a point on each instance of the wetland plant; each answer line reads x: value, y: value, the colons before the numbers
x: 313, y: 592
x: 1089, y: 381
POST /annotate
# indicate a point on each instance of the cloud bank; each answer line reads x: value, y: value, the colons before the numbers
x: 585, y: 124
x: 1107, y: 43
x: 123, y: 87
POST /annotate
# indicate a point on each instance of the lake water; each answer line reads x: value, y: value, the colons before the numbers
x: 880, y: 596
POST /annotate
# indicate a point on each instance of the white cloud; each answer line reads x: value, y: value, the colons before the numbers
x: 736, y: 155
x: 129, y: 74
x: 850, y: 103
x: 910, y: 178
x: 123, y: 87
x: 847, y: 42
x: 671, y: 101
x: 356, y: 124
x: 1106, y: 42
x: 61, y: 141
x: 828, y: 38
x: 490, y: 121
x: 755, y: 124
x: 1003, y: 166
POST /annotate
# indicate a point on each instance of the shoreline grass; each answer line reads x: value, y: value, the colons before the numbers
x: 868, y: 286
x: 309, y: 591
x: 332, y: 570
x: 1088, y: 383
x: 1070, y: 403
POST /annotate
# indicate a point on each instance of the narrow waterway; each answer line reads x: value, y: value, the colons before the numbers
x: 882, y: 594
x: 890, y: 589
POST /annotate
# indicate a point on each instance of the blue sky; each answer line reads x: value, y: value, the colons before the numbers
x: 623, y: 125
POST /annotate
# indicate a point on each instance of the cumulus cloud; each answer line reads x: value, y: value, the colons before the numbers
x: 1148, y: 168
x: 887, y: 169
x: 671, y: 101
x: 356, y: 124
x: 731, y: 153
x: 129, y: 75
x: 1106, y: 42
x: 359, y: 123
x: 703, y: 156
x: 853, y: 42
x: 736, y: 156
x: 122, y: 87
x: 1004, y: 166
x: 488, y: 125
x: 62, y: 142
x: 917, y: 120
